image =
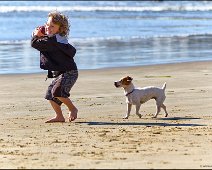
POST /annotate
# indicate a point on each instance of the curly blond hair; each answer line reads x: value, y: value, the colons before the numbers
x: 61, y: 20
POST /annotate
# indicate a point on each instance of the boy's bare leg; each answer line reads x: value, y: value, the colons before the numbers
x: 72, y: 109
x: 59, y: 116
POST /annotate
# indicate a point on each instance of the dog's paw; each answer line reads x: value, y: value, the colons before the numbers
x: 126, y: 117
x: 154, y: 116
x: 139, y: 115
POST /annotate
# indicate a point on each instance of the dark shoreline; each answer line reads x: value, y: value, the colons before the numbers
x: 44, y: 73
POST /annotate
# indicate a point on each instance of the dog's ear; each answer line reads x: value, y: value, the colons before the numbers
x: 129, y: 78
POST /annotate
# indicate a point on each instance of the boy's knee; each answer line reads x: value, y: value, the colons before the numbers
x: 56, y: 100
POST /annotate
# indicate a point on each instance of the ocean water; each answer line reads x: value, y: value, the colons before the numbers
x: 110, y: 33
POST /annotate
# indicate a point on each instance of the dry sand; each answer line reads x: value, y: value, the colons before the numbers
x: 100, y: 138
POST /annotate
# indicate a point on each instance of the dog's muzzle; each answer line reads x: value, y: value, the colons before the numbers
x: 116, y: 84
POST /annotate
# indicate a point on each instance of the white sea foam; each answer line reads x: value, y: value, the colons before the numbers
x: 189, y: 7
x: 112, y: 38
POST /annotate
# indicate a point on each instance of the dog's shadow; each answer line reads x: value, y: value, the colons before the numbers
x: 178, y: 118
x: 147, y: 124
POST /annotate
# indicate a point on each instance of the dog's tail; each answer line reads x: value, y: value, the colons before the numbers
x: 164, y: 86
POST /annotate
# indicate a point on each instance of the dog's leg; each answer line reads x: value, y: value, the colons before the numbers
x: 137, y: 110
x: 157, y: 111
x: 164, y: 108
x: 129, y: 106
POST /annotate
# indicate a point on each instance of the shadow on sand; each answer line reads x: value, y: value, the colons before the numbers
x: 178, y: 118
x: 148, y: 124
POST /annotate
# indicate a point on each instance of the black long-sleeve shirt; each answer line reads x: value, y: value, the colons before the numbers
x: 56, y: 54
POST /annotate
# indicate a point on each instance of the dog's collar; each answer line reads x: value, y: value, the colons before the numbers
x: 129, y: 92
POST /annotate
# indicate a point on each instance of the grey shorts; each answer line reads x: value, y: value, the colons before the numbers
x: 61, y: 86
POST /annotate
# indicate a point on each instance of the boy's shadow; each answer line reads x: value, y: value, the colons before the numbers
x: 147, y: 124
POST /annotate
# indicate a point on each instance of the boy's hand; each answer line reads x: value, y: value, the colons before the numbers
x: 38, y: 32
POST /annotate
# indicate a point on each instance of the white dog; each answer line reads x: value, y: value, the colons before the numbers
x: 138, y: 96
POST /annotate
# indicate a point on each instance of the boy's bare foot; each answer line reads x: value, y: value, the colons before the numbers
x: 55, y: 119
x: 72, y: 115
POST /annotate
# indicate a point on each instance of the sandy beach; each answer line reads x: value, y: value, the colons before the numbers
x: 100, y: 138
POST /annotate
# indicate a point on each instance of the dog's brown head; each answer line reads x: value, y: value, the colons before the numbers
x: 124, y: 82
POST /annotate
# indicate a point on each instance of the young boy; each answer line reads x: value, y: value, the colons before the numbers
x: 56, y: 56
